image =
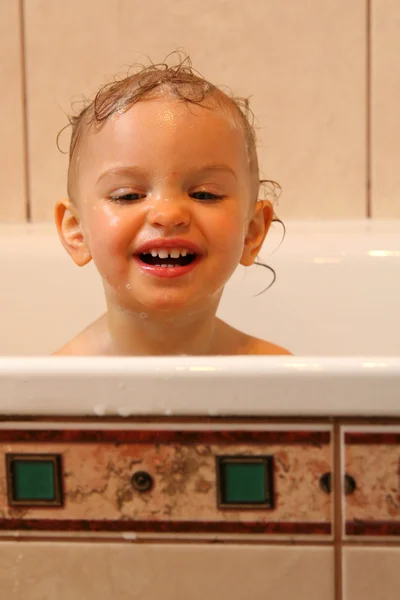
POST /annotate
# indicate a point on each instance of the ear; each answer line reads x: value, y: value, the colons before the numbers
x: 70, y: 231
x: 256, y: 232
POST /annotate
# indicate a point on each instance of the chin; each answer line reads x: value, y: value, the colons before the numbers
x: 176, y: 305
x: 168, y: 302
x: 168, y: 308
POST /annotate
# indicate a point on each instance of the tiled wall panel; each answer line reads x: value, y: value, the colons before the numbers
x: 371, y: 573
x: 193, y: 482
x: 385, y: 114
x: 34, y: 570
x: 371, y: 463
x: 98, y: 461
x: 12, y: 170
x: 302, y: 62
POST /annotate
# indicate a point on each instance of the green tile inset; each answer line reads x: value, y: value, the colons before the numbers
x: 33, y: 480
x: 245, y: 481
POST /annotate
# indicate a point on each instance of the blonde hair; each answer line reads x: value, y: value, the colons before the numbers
x: 184, y: 83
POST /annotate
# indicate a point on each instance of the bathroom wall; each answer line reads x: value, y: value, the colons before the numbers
x: 200, y: 509
x: 321, y: 76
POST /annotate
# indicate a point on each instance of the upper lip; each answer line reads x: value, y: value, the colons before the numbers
x: 168, y: 243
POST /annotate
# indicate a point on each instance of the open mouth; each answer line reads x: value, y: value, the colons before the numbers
x: 168, y: 258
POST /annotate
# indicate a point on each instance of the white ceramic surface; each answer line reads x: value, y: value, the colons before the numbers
x: 217, y: 386
x: 337, y: 290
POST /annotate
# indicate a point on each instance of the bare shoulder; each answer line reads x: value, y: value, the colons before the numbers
x: 235, y: 342
x: 78, y: 346
x: 89, y: 342
x: 263, y: 347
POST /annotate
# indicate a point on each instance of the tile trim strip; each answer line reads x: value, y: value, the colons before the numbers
x: 367, y: 438
x: 373, y: 528
x: 166, y: 436
x: 164, y: 526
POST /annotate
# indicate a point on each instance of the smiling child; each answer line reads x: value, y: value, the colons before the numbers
x: 163, y: 187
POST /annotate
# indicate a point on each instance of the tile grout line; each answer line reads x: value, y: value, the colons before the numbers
x: 368, y: 136
x: 337, y: 510
x: 24, y: 113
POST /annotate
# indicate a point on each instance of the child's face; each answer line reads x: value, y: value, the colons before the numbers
x: 182, y: 176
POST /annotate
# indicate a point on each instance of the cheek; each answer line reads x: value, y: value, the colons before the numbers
x: 229, y: 232
x: 108, y: 236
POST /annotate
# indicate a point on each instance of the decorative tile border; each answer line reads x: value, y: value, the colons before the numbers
x: 154, y: 436
x: 222, y: 527
x: 372, y: 457
x: 373, y: 528
x: 99, y: 480
x: 369, y: 438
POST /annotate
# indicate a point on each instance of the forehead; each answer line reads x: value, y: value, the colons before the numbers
x: 164, y: 128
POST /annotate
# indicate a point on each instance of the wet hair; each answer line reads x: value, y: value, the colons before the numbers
x: 183, y: 82
x: 186, y: 84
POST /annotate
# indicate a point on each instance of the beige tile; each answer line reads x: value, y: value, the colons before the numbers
x: 371, y: 573
x: 385, y: 100
x: 371, y: 458
x: 71, y: 571
x: 12, y: 202
x: 302, y: 62
x: 97, y: 483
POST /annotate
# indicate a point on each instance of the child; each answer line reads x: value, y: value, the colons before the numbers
x: 163, y: 189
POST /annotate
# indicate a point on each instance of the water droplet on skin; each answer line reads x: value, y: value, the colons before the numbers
x: 128, y: 286
x: 143, y: 315
x: 114, y: 220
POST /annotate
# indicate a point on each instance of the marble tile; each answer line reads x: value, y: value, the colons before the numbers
x: 302, y: 63
x: 98, y: 482
x: 372, y: 459
x: 47, y: 571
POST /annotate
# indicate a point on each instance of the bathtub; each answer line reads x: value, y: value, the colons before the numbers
x: 193, y: 477
x: 336, y: 291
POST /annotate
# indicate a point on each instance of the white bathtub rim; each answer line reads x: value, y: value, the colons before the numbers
x: 200, y: 386
x: 175, y: 365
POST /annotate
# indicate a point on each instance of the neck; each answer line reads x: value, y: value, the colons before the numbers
x: 146, y: 334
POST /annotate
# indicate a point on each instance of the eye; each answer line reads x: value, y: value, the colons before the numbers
x: 205, y: 196
x: 127, y: 198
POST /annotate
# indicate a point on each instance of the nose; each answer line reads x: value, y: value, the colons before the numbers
x: 169, y: 213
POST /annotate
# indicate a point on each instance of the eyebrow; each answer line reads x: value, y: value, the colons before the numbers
x: 217, y: 168
x: 139, y: 171
x: 130, y: 170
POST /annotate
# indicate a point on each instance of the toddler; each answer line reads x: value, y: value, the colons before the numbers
x: 163, y: 187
